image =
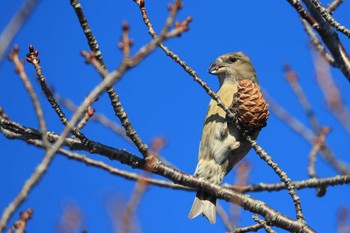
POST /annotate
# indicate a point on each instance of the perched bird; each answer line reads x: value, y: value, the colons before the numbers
x: 222, y: 145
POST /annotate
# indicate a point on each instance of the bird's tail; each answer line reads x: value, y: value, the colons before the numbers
x: 204, y: 204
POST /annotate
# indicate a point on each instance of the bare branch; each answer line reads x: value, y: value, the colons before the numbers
x: 311, y: 183
x: 331, y: 40
x: 32, y: 57
x: 283, y: 176
x: 15, y: 25
x: 319, y: 143
x: 334, y: 5
x: 224, y: 217
x: 97, y: 117
x: 20, y: 225
x: 317, y: 44
x: 16, y: 131
x: 241, y: 173
x: 183, y: 64
x: 251, y: 228
x: 19, y: 68
x: 71, y: 219
x: 287, y: 118
x: 343, y: 223
x: 302, y: 98
x: 131, y: 207
x: 127, y: 64
x: 325, y: 14
x: 3, y: 114
x: 93, y: 44
x: 331, y: 93
x: 43, y: 166
x: 263, y: 224
x: 179, y: 177
x: 308, y: 135
x: 304, y: 14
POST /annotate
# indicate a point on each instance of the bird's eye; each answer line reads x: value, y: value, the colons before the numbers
x: 232, y: 59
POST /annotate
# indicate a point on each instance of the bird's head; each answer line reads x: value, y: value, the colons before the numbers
x: 233, y: 67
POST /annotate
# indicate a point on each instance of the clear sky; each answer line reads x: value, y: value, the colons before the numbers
x: 161, y: 99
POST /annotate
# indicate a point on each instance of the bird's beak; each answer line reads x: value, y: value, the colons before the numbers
x: 214, y: 67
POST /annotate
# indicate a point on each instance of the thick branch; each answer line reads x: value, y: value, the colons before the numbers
x: 331, y: 39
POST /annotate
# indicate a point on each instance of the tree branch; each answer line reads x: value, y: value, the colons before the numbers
x: 272, y: 216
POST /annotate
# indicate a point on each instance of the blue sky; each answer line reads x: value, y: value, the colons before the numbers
x: 161, y: 99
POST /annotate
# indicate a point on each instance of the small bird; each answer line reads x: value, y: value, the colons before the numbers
x: 222, y: 145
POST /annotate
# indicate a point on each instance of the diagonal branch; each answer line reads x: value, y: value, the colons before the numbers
x: 15, y: 24
x: 328, y: 17
x: 331, y: 40
x: 183, y: 64
x: 283, y: 177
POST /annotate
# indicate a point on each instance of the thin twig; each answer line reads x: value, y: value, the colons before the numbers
x: 32, y: 57
x: 26, y: 188
x: 3, y: 114
x: 19, y: 68
x: 302, y: 98
x: 317, y: 44
x: 337, y: 165
x: 319, y: 143
x: 71, y: 219
x: 15, y: 25
x: 87, y: 116
x: 131, y: 207
x: 183, y: 64
x: 241, y: 173
x: 157, y: 145
x: 343, y: 220
x: 331, y: 93
x: 20, y: 225
x: 263, y: 223
x: 308, y: 135
x: 125, y: 43
x: 304, y: 14
x: 311, y: 183
x: 287, y: 118
x: 252, y: 228
x: 283, y: 176
x: 328, y: 17
x: 43, y: 166
x: 98, y: 117
x: 224, y: 217
x: 180, y: 27
x: 334, y: 5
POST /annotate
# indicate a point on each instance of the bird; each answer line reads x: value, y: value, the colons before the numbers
x: 222, y: 145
